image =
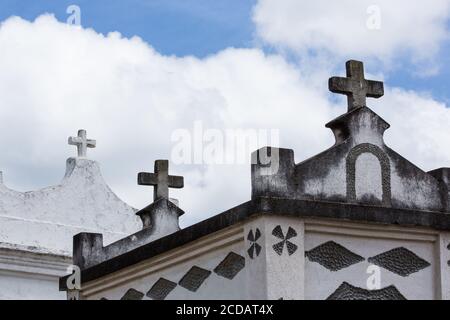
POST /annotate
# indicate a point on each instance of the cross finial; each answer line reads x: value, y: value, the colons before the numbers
x: 82, y: 143
x: 355, y: 86
x: 160, y: 180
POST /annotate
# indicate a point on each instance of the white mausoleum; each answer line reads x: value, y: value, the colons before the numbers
x: 357, y: 221
x: 37, y: 227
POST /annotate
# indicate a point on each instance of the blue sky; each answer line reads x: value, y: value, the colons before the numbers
x: 196, y: 27
x: 179, y: 27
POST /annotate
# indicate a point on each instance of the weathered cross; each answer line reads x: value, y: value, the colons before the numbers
x: 355, y: 86
x: 82, y: 143
x: 160, y: 180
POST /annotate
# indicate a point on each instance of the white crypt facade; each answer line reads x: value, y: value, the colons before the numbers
x: 357, y: 221
x: 37, y: 227
x: 311, y: 230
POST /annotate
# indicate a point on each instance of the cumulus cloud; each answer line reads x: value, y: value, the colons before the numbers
x: 383, y: 29
x: 420, y: 127
x: 57, y: 78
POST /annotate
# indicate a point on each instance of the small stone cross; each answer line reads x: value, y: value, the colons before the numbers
x: 355, y: 86
x: 82, y: 143
x: 160, y: 180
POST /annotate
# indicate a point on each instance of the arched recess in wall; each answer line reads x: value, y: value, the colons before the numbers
x: 385, y: 171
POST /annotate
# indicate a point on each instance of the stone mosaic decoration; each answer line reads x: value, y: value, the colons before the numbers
x: 348, y: 292
x: 400, y: 261
x: 194, y: 278
x: 333, y: 256
x: 161, y: 289
x: 385, y: 171
x: 132, y: 294
x: 230, y: 266
x: 255, y: 248
x: 279, y: 247
x: 448, y: 262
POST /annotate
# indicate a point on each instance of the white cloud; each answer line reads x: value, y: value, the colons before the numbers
x: 340, y: 28
x: 419, y: 127
x: 57, y: 78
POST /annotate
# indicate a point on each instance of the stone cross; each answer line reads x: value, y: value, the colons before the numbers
x: 160, y: 180
x: 82, y: 143
x: 355, y: 86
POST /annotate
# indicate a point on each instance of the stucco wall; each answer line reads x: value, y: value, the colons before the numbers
x: 37, y: 227
x: 48, y: 218
x: 30, y: 275
x: 291, y: 258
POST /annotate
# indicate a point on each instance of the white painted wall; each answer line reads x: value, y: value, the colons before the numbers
x: 321, y: 283
x: 271, y: 275
x: 30, y: 275
x: 42, y: 224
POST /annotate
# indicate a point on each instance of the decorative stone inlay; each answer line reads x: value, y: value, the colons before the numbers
x: 230, y: 266
x: 448, y: 262
x: 333, y: 256
x: 161, y: 289
x: 349, y: 292
x: 385, y: 171
x: 194, y: 278
x: 254, y: 249
x: 400, y: 261
x: 278, y: 247
x: 132, y: 294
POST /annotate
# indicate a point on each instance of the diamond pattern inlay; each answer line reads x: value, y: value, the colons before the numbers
x: 448, y: 262
x: 400, y: 261
x: 132, y: 294
x: 161, y: 289
x: 254, y: 249
x: 333, y: 256
x: 194, y: 278
x: 349, y: 292
x: 285, y: 240
x: 230, y: 266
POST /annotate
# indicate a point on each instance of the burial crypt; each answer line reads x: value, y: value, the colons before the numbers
x: 357, y: 221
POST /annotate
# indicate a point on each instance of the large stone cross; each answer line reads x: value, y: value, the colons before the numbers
x: 82, y: 143
x: 355, y: 86
x: 160, y: 180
